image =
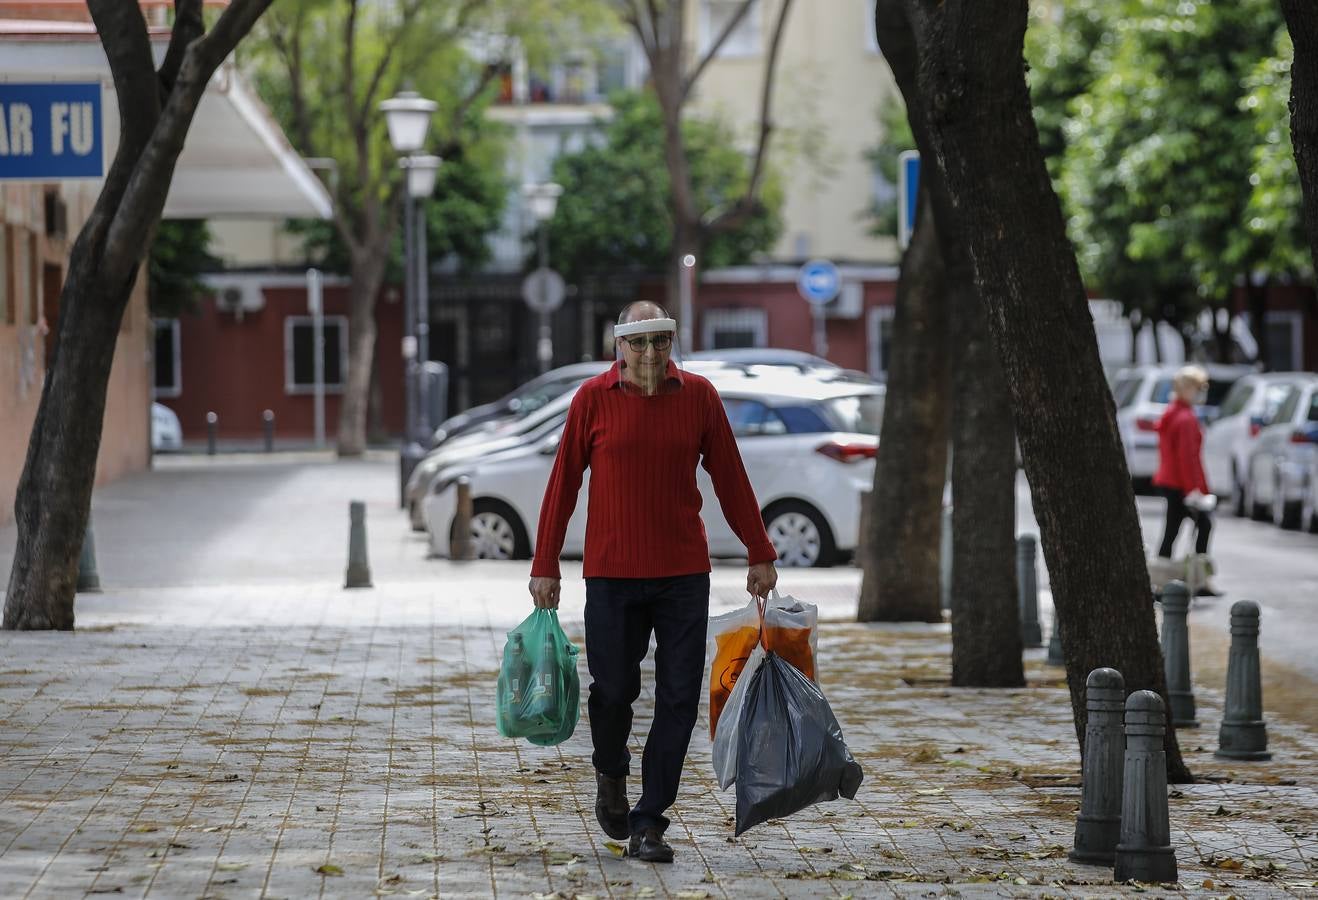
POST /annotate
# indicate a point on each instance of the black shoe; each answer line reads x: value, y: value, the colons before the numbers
x: 1207, y: 592
x: 611, y: 805
x: 649, y: 846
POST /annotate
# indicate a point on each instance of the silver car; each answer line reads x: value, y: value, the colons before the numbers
x: 1142, y: 393
x: 1250, y: 406
x: 1282, y: 463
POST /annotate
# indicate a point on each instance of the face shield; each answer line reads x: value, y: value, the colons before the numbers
x: 645, y: 347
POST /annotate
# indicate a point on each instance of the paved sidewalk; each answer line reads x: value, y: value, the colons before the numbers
x: 273, y: 735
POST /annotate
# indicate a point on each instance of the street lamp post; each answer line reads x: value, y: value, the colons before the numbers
x: 407, y: 116
x: 543, y: 200
x: 421, y: 172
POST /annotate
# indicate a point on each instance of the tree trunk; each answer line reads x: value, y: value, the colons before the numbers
x: 367, y: 274
x: 900, y: 547
x: 986, y: 622
x: 1302, y: 23
x: 1257, y: 297
x: 156, y: 107
x: 54, y: 493
x: 983, y: 139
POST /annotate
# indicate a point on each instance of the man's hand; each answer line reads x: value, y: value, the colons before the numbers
x: 760, y: 579
x: 544, y: 591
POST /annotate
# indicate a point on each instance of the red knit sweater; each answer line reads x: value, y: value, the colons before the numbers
x: 643, y: 516
x: 1180, y: 442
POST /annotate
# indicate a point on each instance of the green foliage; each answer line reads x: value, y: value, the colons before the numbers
x: 614, y: 214
x: 470, y: 193
x: 326, y: 94
x: 1275, y: 212
x: 885, y: 157
x: 1155, y: 156
x: 179, y: 254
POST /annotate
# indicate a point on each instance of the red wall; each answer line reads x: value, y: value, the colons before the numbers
x: 791, y: 321
x: 236, y: 368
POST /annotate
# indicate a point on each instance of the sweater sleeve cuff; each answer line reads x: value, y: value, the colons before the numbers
x: 762, y: 553
x: 545, y: 568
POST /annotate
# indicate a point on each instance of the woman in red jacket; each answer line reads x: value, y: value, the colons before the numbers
x: 1180, y: 469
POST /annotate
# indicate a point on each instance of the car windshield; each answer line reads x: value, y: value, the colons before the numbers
x: 859, y: 413
x: 1123, y: 392
x: 532, y: 400
x: 1217, y: 390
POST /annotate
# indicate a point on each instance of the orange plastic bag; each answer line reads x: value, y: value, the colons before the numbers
x: 732, y: 647
x: 788, y: 628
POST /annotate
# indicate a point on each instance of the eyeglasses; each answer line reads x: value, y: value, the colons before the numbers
x: 659, y: 342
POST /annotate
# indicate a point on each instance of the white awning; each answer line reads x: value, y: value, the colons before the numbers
x: 236, y: 161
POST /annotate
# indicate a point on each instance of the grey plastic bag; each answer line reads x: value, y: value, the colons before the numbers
x: 790, y: 751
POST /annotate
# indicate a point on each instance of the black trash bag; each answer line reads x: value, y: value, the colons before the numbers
x: 790, y: 752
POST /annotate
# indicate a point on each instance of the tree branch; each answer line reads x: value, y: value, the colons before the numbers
x: 690, y: 81
x: 138, y: 209
x: 188, y: 26
x: 290, y: 53
x: 749, y: 200
x: 391, y: 45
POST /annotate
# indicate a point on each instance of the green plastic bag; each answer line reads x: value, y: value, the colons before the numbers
x: 539, y: 693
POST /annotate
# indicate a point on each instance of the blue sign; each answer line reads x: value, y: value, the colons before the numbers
x: 908, y: 195
x: 50, y: 132
x: 818, y: 281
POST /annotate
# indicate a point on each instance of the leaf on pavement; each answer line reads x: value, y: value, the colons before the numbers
x: 616, y: 849
x: 328, y: 869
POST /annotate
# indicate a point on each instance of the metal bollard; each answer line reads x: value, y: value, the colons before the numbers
x: 1098, y: 827
x: 1055, y: 655
x: 268, y: 427
x: 1027, y: 585
x: 89, y: 580
x: 1145, y: 850
x: 945, y: 560
x: 460, y: 538
x: 212, y: 427
x: 1243, y: 734
x: 359, y: 569
x: 1176, y: 654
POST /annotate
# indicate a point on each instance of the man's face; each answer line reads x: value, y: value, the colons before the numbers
x: 646, y: 356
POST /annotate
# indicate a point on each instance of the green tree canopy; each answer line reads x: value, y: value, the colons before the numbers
x: 179, y: 254
x: 886, y: 159
x: 1161, y: 175
x: 615, y: 214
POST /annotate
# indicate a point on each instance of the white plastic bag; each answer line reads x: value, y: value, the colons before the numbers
x: 790, y: 628
x: 725, y: 736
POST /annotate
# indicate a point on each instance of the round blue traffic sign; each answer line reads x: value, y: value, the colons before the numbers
x: 818, y: 281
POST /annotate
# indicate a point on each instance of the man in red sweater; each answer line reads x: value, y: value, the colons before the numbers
x: 642, y: 428
x: 1180, y: 465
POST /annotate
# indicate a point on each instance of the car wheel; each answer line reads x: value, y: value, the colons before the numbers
x: 1309, y: 507
x: 1284, y: 514
x: 497, y: 532
x: 1257, y: 511
x: 800, y: 535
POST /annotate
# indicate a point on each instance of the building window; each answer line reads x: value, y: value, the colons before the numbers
x: 300, y: 354
x: 723, y: 329
x: 1284, y: 332
x: 745, y: 39
x: 23, y: 281
x: 879, y: 338
x: 169, y: 369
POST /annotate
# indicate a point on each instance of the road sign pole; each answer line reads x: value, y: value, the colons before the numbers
x: 821, y: 336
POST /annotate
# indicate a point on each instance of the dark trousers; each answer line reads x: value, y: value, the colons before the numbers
x: 1177, y: 513
x: 620, y: 615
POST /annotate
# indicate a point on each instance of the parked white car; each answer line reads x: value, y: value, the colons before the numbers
x: 1141, y: 394
x: 1277, y: 482
x: 495, y: 436
x: 166, y: 432
x: 482, y: 442
x: 808, y: 444
x: 1250, y: 406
